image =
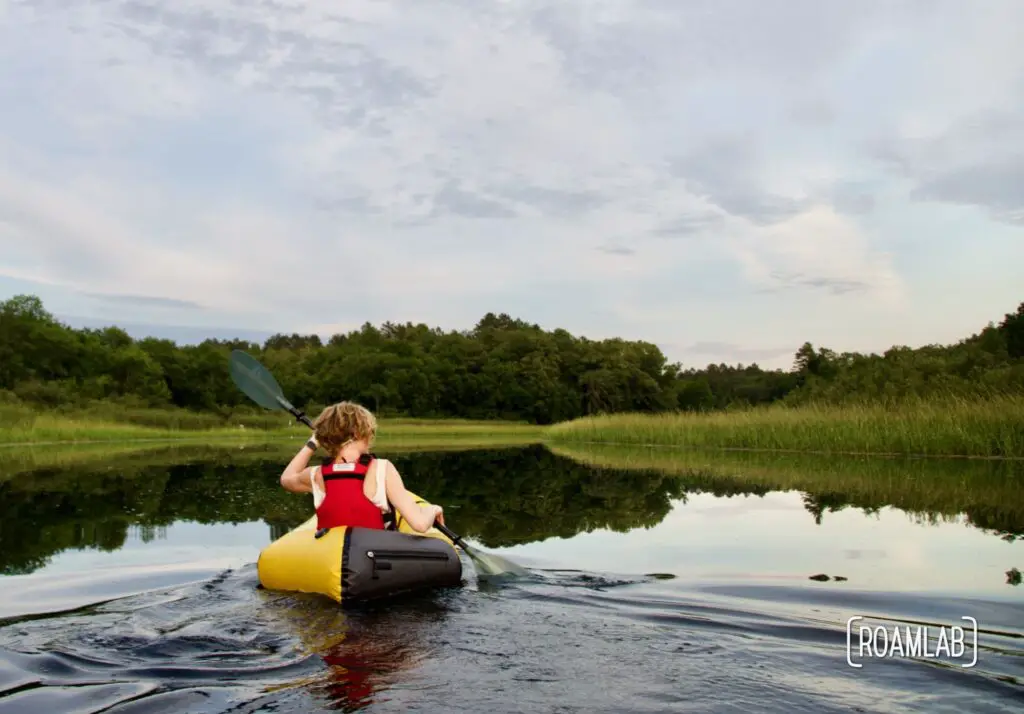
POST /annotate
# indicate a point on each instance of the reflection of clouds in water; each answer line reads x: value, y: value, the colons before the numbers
x: 856, y: 554
x: 775, y: 536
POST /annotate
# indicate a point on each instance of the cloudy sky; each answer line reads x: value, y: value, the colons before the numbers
x: 720, y: 178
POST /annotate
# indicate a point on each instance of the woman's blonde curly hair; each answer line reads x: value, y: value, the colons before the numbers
x: 342, y: 423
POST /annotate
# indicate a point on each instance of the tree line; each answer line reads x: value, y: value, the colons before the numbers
x: 502, y: 368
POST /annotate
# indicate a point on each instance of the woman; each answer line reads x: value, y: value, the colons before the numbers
x: 342, y: 495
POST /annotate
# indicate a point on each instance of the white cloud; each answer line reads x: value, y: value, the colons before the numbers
x: 817, y: 248
x: 606, y: 167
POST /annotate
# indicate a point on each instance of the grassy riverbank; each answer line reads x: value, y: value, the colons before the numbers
x: 23, y: 426
x: 941, y: 427
x: 992, y: 428
x: 17, y: 460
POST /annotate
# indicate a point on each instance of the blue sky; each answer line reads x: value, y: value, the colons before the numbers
x: 724, y: 179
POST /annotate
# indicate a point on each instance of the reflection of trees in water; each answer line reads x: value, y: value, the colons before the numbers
x: 983, y: 494
x: 500, y: 497
x: 504, y: 497
x: 149, y: 533
x: 51, y: 510
x: 1003, y: 522
x: 279, y: 528
x: 818, y: 503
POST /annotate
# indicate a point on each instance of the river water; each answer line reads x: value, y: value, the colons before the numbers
x: 659, y: 581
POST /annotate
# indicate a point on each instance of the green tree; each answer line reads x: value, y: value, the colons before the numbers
x: 504, y: 367
x: 1012, y: 328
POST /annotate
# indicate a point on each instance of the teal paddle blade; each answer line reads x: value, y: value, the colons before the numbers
x: 489, y: 565
x: 256, y: 382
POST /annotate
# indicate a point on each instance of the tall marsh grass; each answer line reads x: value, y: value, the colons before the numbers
x: 23, y: 416
x: 21, y: 425
x: 950, y: 427
x: 18, y: 460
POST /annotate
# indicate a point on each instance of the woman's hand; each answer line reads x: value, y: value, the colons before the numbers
x: 439, y: 518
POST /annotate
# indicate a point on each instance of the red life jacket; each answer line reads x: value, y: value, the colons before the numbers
x: 344, y: 502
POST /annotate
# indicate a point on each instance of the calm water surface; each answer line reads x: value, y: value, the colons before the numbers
x: 661, y: 581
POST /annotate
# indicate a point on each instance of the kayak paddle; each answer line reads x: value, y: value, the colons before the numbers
x: 257, y: 383
x: 487, y: 564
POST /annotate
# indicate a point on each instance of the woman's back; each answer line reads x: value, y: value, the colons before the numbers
x: 353, y: 487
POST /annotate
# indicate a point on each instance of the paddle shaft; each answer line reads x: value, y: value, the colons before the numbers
x: 302, y: 417
x: 455, y: 537
x: 297, y: 413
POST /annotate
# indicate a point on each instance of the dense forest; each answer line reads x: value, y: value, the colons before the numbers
x: 502, y: 368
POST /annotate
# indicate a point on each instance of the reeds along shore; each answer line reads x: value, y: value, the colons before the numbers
x: 20, y: 425
x: 992, y: 427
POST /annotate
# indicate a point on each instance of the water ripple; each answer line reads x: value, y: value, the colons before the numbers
x: 587, y: 642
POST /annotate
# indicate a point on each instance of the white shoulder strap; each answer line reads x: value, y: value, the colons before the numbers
x: 380, y: 496
x: 318, y: 495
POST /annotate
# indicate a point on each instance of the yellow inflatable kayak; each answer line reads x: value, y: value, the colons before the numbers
x: 358, y: 564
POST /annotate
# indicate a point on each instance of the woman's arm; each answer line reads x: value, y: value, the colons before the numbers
x: 295, y: 477
x: 421, y: 518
